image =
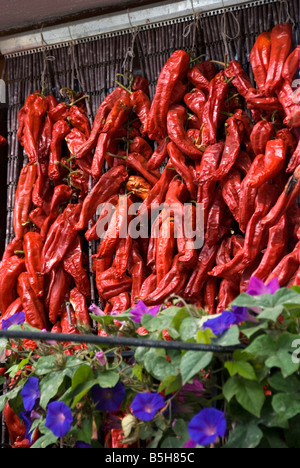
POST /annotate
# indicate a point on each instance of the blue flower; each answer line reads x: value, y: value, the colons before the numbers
x: 17, y: 319
x: 141, y: 309
x: 108, y: 399
x: 146, y: 405
x: 257, y: 287
x: 28, y: 417
x: 30, y: 393
x: 207, y: 426
x: 59, y: 418
x: 221, y: 323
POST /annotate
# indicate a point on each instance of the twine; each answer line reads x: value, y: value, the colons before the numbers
x: 130, y: 51
x: 224, y: 34
x: 193, y: 26
x: 284, y: 3
x: 46, y: 58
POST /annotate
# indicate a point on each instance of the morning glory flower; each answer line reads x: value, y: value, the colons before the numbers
x: 108, y: 399
x: 96, y: 310
x: 59, y: 418
x: 206, y: 426
x: 17, y: 319
x: 146, y: 405
x: 257, y: 287
x: 30, y: 393
x: 221, y: 323
x: 141, y: 309
x: 100, y: 356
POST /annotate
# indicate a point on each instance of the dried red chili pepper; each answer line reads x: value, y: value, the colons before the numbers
x: 16, y: 245
x: 60, y: 130
x: 208, y: 69
x: 195, y: 101
x: 286, y: 268
x: 260, y: 58
x: 16, y: 428
x: 118, y: 115
x: 234, y: 136
x: 122, y: 254
x: 73, y: 264
x: 148, y: 286
x: 210, y: 295
x: 277, y: 244
x: 108, y: 285
x: 11, y: 310
x: 175, y: 68
x: 164, y: 249
x: 215, y: 219
x: 100, y: 119
x: 197, y: 280
x: 239, y: 77
x: 196, y: 77
x: 98, y: 229
x: 291, y: 141
x: 228, y: 291
x: 262, y: 132
x: 79, y: 304
x: 141, y: 83
x: 61, y: 196
x: 141, y: 146
x: 295, y: 159
x: 11, y: 268
x: 281, y: 42
x: 158, y: 156
x: 32, y: 305
x: 60, y: 236
x: 176, y: 120
x: 79, y: 120
x: 23, y: 201
x: 287, y: 198
x: 290, y: 104
x: 118, y: 227
x: 231, y: 187
x: 178, y: 160
x: 31, y: 118
x: 172, y: 283
x: 59, y: 286
x: 291, y: 65
x: 33, y: 245
x: 209, y: 161
x: 158, y: 192
x: 106, y: 186
x: 178, y: 93
x: 141, y: 105
x: 137, y: 162
x: 218, y: 89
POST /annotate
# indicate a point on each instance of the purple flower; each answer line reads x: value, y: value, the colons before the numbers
x: 59, y: 418
x: 221, y: 323
x: 101, y: 357
x: 80, y: 444
x: 242, y: 315
x: 28, y: 417
x: 141, y: 309
x: 207, y: 426
x: 196, y: 387
x: 257, y: 287
x: 146, y: 405
x: 96, y: 310
x: 30, y: 393
x: 108, y: 399
x: 17, y: 319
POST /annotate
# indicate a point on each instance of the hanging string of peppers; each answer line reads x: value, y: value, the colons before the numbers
x: 225, y: 144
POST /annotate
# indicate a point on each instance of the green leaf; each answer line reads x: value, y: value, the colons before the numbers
x: 189, y: 328
x: 245, y: 435
x: 288, y: 385
x: 47, y: 437
x: 244, y: 369
x: 107, y: 379
x: 229, y: 338
x: 192, y: 362
x: 250, y: 331
x: 82, y: 374
x: 161, y: 367
x: 172, y: 443
x: 45, y: 365
x: 263, y: 345
x: 249, y: 394
x: 150, y: 323
x: 205, y: 336
x: 49, y: 386
x: 137, y: 371
x: 287, y: 405
x: 170, y: 383
x: 271, y: 313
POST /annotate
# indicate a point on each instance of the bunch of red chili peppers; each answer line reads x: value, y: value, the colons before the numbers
x: 223, y: 143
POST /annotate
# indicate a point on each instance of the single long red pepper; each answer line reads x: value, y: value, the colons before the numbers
x: 79, y: 120
x: 197, y: 78
x: 178, y: 161
x: 228, y: 291
x: 60, y: 236
x: 14, y: 307
x: 287, y: 198
x: 60, y: 130
x: 100, y: 119
x: 176, y: 120
x: 290, y: 104
x: 231, y: 188
x: 262, y: 132
x: 286, y: 268
x: 197, y: 280
x: 141, y: 105
x: 179, y: 91
x: 281, y: 41
x: 164, y: 249
x: 210, y: 295
x: 32, y: 305
x: 61, y: 196
x: 23, y: 201
x: 118, y: 115
x: 57, y: 292
x: 108, y: 285
x: 73, y: 263
x: 33, y: 245
x: 175, y: 68
x: 158, y: 156
x: 137, y: 162
x: 122, y: 254
x: 215, y: 220
x: 11, y: 249
x: 239, y: 77
x: 79, y: 304
x: 141, y: 146
x: 106, y: 186
x: 277, y: 243
x: 11, y: 268
x: 195, y: 101
x: 209, y: 162
x: 234, y: 136
x: 291, y: 65
x: 260, y: 58
x: 98, y: 229
x: 218, y: 89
